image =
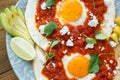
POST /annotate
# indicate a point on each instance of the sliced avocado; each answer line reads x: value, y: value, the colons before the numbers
x: 19, y: 12
x: 14, y: 25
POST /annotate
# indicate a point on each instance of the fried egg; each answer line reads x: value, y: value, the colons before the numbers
x: 71, y: 12
x: 76, y: 66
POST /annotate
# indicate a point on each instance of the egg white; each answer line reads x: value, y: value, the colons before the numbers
x: 65, y: 61
x: 80, y: 21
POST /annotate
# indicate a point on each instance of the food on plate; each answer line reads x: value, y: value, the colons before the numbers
x: 83, y: 30
x: 114, y: 36
x: 117, y: 20
x: 13, y: 21
x: 23, y: 48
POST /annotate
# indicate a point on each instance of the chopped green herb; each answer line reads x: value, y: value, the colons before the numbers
x: 50, y: 3
x: 50, y: 55
x: 54, y: 42
x: 49, y: 28
x: 90, y: 40
x: 100, y: 36
x: 94, y: 64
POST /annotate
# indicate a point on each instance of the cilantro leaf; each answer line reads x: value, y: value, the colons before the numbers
x: 49, y: 28
x: 54, y: 42
x: 50, y: 55
x: 94, y: 69
x: 90, y: 40
x: 50, y: 3
x: 94, y: 64
x: 100, y: 36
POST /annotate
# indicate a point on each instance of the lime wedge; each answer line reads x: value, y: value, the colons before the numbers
x: 22, y: 48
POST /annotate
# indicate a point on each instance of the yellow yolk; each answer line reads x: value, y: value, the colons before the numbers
x: 78, y: 66
x: 71, y: 10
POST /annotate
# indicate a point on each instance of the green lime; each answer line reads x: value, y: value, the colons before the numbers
x: 22, y: 48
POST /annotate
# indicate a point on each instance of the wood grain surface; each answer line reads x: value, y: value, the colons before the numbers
x: 6, y: 72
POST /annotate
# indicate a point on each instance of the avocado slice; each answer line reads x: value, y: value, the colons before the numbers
x: 13, y: 23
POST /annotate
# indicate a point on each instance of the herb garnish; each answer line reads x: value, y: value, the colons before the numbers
x: 49, y: 28
x: 90, y: 40
x: 94, y: 63
x: 49, y: 55
x: 52, y: 44
x: 50, y: 3
x: 100, y: 36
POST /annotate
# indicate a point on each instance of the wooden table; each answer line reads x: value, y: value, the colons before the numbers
x: 6, y: 72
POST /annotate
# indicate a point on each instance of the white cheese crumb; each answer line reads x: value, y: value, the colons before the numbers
x: 65, y: 51
x: 102, y: 48
x: 79, y: 37
x: 38, y: 18
x: 71, y: 38
x: 107, y: 65
x: 69, y: 43
x: 68, y: 33
x: 113, y: 44
x: 89, y: 46
x: 93, y: 22
x: 115, y: 72
x: 53, y: 64
x: 64, y: 30
x: 118, y: 67
x: 62, y: 42
x: 43, y: 6
x: 41, y: 28
x: 111, y: 61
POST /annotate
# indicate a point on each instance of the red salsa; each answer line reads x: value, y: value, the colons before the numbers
x: 58, y: 72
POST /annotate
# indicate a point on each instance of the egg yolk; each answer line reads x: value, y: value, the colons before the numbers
x: 71, y: 10
x: 78, y: 66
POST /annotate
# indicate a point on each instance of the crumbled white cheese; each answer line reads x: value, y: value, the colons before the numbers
x: 79, y: 37
x: 111, y: 61
x: 65, y: 51
x: 117, y: 67
x: 53, y: 64
x: 91, y: 14
x: 115, y: 72
x: 69, y: 43
x: 113, y: 44
x: 62, y: 42
x: 102, y: 49
x: 89, y: 46
x: 43, y: 6
x: 68, y: 33
x: 93, y: 22
x: 38, y: 18
x: 41, y: 28
x: 64, y: 30
x: 71, y: 38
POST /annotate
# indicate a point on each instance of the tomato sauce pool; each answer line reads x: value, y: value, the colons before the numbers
x: 58, y: 72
